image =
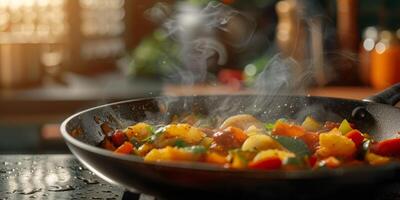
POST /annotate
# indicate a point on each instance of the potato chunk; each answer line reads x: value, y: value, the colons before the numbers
x: 283, y: 155
x: 242, y: 121
x: 260, y: 142
x: 171, y: 154
x: 139, y: 131
x: 374, y: 159
x: 335, y: 144
x: 186, y: 132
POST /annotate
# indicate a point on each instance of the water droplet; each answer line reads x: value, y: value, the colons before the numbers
x: 28, y: 191
x: 87, y: 180
x: 2, y: 171
x: 33, y: 197
x: 58, y: 188
x: 6, y: 163
x: 97, y: 198
x: 45, y: 195
x: 18, y: 163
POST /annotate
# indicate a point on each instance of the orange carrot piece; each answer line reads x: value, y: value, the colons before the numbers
x: 285, y: 129
x: 215, y: 158
x: 238, y: 133
x: 125, y: 148
x: 107, y: 144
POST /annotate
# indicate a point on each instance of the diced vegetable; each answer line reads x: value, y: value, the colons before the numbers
x: 269, y: 126
x: 196, y: 149
x: 330, y: 162
x: 242, y: 121
x: 356, y: 136
x: 345, y: 127
x: 125, y: 148
x: 135, y: 142
x: 310, y: 124
x: 311, y: 139
x: 226, y: 138
x: 215, y: 158
x: 283, y: 155
x: 269, y: 163
x: 330, y: 125
x: 186, y: 132
x: 390, y: 147
x: 239, y: 158
x: 107, y: 144
x: 260, y: 142
x: 140, y: 131
x: 180, y: 143
x: 374, y: 159
x: 285, y: 129
x: 312, y: 160
x: 171, y: 154
x: 206, y: 142
x: 334, y: 143
x: 238, y: 133
x: 296, y: 146
x: 118, y: 138
x: 252, y: 130
x: 144, y: 149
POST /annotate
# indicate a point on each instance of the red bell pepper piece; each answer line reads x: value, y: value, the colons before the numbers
x: 267, y: 164
x: 118, y: 138
x: 312, y: 160
x: 356, y: 136
x: 125, y: 148
x: 390, y: 147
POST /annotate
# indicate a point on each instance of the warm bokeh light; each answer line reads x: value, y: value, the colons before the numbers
x: 32, y: 21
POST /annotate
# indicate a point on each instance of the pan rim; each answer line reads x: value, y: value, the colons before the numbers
x: 280, y: 174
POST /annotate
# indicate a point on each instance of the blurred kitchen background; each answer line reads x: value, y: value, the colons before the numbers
x: 58, y: 57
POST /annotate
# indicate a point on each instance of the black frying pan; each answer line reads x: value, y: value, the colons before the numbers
x: 194, y: 180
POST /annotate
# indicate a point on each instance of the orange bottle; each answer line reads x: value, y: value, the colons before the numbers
x: 385, y: 61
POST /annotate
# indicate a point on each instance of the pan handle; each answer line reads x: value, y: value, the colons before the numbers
x: 390, y: 96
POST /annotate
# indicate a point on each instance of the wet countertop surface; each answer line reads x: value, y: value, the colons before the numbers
x: 54, y: 177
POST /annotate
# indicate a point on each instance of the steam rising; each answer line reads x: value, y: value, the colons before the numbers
x: 203, y: 33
